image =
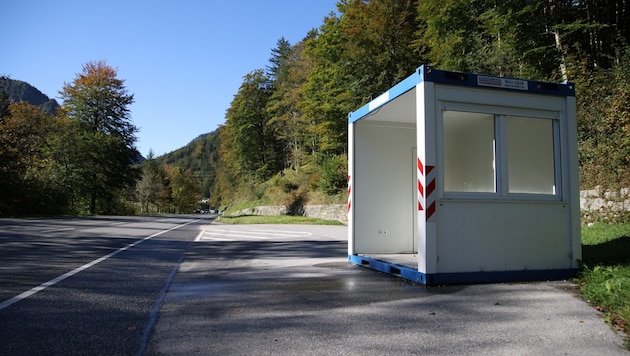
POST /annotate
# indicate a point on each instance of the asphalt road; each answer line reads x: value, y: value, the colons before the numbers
x: 86, y: 286
x: 176, y: 285
x: 289, y: 290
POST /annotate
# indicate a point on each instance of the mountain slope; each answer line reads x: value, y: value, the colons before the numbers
x: 22, y: 91
x: 200, y: 156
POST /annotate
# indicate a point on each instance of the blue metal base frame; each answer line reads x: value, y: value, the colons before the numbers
x: 411, y: 274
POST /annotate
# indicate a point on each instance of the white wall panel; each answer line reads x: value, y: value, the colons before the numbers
x: 502, y: 236
x: 383, y: 188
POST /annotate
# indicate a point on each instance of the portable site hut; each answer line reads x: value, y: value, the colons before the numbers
x: 465, y: 178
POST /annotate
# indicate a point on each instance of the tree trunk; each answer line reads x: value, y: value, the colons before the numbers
x: 563, y: 67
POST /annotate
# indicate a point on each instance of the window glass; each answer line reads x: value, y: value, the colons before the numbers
x: 530, y: 156
x: 468, y: 152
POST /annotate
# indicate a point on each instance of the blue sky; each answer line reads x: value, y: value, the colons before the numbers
x: 183, y: 60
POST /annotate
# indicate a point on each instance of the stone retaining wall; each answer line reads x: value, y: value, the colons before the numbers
x: 595, y: 204
x: 337, y: 212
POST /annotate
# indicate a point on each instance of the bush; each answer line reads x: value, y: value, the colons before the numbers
x: 334, y: 175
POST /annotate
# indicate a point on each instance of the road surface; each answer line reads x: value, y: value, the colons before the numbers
x: 183, y: 285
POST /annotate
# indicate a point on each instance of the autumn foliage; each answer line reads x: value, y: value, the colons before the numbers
x: 291, y: 118
x: 285, y: 133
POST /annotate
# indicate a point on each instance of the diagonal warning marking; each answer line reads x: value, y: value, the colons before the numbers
x: 230, y: 235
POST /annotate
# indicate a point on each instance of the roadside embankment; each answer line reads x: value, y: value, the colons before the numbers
x: 337, y: 212
x: 595, y: 205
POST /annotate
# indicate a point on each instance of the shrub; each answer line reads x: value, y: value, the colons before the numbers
x: 334, y: 174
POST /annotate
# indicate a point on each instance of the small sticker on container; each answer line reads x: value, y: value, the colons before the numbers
x: 506, y: 83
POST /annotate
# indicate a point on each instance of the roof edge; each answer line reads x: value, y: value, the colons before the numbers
x: 430, y: 74
x: 397, y: 90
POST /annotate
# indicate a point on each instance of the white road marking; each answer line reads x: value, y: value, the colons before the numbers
x: 60, y: 278
x: 282, y: 233
x: 227, y: 235
x: 56, y: 230
x: 199, y: 235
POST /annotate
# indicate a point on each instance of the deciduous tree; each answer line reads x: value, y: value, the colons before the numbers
x: 27, y: 173
x: 98, y: 100
x: 185, y: 191
x: 153, y: 190
x: 248, y: 134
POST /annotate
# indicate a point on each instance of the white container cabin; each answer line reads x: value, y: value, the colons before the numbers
x: 465, y: 178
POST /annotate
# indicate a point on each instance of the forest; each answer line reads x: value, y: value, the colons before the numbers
x: 285, y: 135
x: 284, y: 139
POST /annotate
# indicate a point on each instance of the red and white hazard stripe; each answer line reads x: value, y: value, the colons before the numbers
x: 349, y: 196
x: 426, y: 195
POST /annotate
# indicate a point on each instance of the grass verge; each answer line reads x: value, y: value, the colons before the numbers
x: 605, y: 273
x: 281, y: 219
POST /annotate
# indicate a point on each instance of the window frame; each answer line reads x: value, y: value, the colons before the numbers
x: 501, y: 173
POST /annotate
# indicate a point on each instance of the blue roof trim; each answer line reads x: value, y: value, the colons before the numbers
x: 397, y: 90
x: 430, y: 74
x: 501, y: 83
x: 411, y: 274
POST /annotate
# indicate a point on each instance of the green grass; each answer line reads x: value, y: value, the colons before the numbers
x: 282, y: 219
x: 605, y: 272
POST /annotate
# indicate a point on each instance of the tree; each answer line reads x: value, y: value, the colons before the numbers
x: 327, y: 94
x: 153, y: 190
x: 5, y: 156
x: 103, y: 164
x: 200, y: 156
x: 604, y: 30
x: 28, y: 182
x: 21, y: 136
x: 368, y: 46
x: 603, y: 98
x: 248, y: 134
x: 378, y: 46
x: 280, y: 55
x: 185, y: 191
x: 448, y: 30
x: 4, y: 104
x: 290, y: 67
x: 357, y: 56
x: 228, y: 177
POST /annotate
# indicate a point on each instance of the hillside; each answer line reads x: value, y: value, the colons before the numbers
x: 22, y: 91
x: 200, y: 156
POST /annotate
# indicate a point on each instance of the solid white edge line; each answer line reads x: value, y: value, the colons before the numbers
x: 60, y: 278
